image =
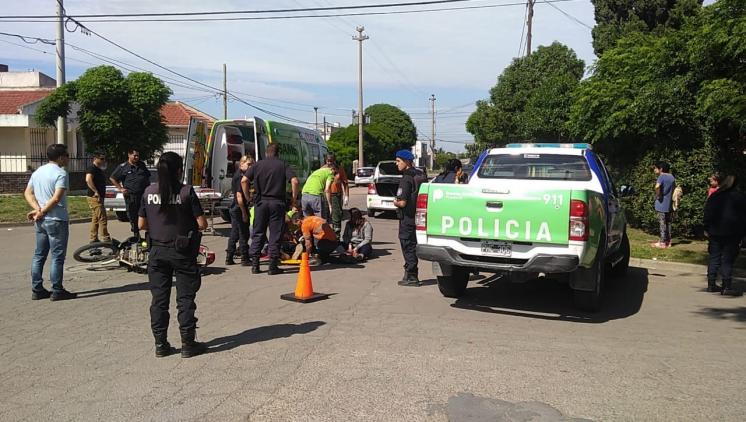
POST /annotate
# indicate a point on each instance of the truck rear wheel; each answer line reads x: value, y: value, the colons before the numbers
x: 122, y: 216
x: 454, y: 285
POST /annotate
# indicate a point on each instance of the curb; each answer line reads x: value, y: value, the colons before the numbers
x: 25, y: 224
x: 677, y: 266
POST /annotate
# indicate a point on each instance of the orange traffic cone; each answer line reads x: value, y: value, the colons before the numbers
x: 304, y: 287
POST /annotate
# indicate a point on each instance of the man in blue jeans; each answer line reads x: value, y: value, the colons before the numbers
x: 46, y: 194
x: 664, y: 187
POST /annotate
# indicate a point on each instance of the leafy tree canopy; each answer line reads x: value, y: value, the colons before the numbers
x: 617, y: 18
x: 390, y: 129
x: 531, y: 100
x: 116, y: 114
x: 679, y: 96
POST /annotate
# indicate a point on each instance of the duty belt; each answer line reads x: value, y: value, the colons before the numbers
x: 163, y: 244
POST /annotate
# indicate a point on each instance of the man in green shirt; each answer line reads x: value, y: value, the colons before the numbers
x: 315, y: 190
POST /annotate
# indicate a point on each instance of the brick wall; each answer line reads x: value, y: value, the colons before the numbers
x: 16, y: 182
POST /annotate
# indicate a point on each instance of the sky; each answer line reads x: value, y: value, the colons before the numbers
x: 289, y: 66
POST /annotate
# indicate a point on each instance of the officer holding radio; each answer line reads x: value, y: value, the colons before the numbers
x: 172, y: 216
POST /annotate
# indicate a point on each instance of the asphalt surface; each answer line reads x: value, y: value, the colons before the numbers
x: 661, y: 349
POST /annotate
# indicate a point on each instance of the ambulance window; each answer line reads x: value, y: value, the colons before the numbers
x: 315, y: 156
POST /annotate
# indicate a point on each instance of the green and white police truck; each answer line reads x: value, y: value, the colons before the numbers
x: 529, y: 210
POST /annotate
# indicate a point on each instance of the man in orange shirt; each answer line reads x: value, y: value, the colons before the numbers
x: 340, y: 192
x: 317, y: 231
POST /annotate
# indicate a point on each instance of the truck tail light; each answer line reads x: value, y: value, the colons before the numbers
x: 372, y: 189
x: 420, y: 217
x: 110, y: 194
x: 578, y: 220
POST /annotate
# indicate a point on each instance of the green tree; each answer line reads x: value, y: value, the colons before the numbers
x: 678, y: 96
x: 531, y: 100
x: 116, y: 114
x: 390, y: 129
x: 618, y: 18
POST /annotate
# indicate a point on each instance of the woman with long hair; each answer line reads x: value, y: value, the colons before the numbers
x: 172, y: 216
x: 358, y: 236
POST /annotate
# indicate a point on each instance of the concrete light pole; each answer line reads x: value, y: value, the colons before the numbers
x: 360, y: 115
x: 61, y: 121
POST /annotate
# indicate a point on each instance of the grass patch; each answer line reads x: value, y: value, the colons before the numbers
x: 682, y: 250
x: 13, y: 208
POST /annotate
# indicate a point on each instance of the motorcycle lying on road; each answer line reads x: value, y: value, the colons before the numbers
x: 131, y: 254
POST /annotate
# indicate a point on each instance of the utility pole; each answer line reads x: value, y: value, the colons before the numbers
x: 316, y: 113
x: 324, y: 127
x: 225, y: 93
x: 432, y: 140
x: 61, y: 121
x: 529, y: 25
x: 360, y: 116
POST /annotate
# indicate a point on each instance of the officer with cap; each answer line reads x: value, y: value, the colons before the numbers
x: 131, y: 178
x: 172, y: 216
x: 270, y: 177
x: 406, y: 204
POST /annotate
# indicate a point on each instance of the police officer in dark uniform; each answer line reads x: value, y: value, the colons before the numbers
x: 131, y: 178
x: 172, y: 216
x: 406, y: 204
x: 270, y: 177
x: 239, y: 212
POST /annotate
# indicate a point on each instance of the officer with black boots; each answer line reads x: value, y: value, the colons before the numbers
x: 131, y: 178
x: 172, y: 216
x: 406, y: 204
x: 270, y: 177
x: 239, y: 212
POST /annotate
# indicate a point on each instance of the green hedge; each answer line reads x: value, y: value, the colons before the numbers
x: 691, y: 169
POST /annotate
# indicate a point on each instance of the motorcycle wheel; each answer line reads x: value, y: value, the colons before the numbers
x: 96, y: 252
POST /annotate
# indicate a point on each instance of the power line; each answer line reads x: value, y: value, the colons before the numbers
x: 571, y: 17
x: 329, y: 15
x: 523, y: 30
x: 244, y: 12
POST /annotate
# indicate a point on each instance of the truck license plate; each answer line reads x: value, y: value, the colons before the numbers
x: 387, y: 203
x: 497, y: 248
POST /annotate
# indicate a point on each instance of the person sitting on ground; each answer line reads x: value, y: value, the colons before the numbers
x: 318, y: 237
x: 358, y: 236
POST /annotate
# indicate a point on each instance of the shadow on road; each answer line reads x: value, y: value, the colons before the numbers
x: 552, y: 300
x: 737, y: 313
x: 112, y: 290
x: 260, y: 334
x: 212, y: 270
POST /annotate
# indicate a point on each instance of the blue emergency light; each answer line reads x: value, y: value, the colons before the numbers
x: 550, y: 145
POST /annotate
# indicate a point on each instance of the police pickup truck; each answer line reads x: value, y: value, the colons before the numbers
x: 528, y: 210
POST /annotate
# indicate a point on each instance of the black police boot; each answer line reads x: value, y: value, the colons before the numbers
x: 162, y: 347
x: 229, y: 259
x: 255, y: 266
x: 411, y: 281
x: 274, y: 269
x: 729, y: 290
x: 713, y: 287
x: 245, y: 261
x: 190, y: 347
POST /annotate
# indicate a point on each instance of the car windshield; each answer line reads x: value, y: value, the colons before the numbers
x: 364, y: 172
x: 535, y: 166
x: 388, y: 169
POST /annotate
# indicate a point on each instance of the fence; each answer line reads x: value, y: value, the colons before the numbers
x: 19, y: 163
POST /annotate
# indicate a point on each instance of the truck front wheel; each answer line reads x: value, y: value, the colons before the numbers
x: 454, y: 285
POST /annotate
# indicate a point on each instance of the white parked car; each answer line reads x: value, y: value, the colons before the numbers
x: 382, y: 189
x: 364, y: 176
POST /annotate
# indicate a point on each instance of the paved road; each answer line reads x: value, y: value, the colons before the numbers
x: 661, y: 350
